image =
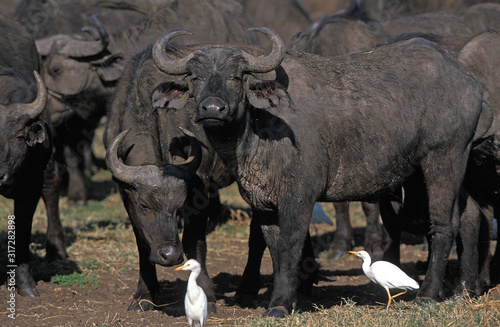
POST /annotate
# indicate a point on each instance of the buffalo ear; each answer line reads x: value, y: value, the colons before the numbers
x: 111, y: 68
x: 170, y: 96
x: 36, y: 134
x: 265, y: 94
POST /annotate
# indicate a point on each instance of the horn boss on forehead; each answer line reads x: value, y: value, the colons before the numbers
x: 257, y: 64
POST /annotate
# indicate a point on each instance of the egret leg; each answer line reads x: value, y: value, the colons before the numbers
x: 390, y: 298
x: 399, y: 294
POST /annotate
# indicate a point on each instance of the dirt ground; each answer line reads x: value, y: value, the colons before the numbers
x: 107, y: 305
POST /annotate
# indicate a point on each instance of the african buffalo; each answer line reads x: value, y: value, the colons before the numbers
x: 146, y: 105
x: 482, y: 17
x: 81, y: 71
x: 483, y: 172
x: 25, y: 150
x: 45, y: 18
x: 336, y: 35
x: 162, y: 174
x: 344, y: 128
x: 287, y: 17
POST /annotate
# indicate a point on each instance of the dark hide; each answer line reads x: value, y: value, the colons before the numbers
x: 81, y: 86
x: 25, y: 149
x: 483, y: 172
x: 337, y: 36
x: 287, y: 17
x: 390, y: 8
x: 341, y: 129
x: 482, y: 17
x: 44, y: 18
x: 343, y: 239
x: 144, y: 103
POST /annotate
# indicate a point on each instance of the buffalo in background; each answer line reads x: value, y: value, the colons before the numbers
x: 26, y: 172
x: 81, y: 71
x: 94, y: 55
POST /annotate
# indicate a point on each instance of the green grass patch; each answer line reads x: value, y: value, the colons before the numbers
x: 77, y: 279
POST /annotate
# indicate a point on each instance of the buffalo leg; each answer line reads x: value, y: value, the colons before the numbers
x: 250, y: 281
x: 77, y: 192
x: 390, y: 205
x: 343, y: 239
x: 308, y: 268
x: 24, y: 208
x: 443, y: 182
x: 467, y: 248
x: 148, y: 285
x: 374, y: 235
x: 56, y: 247
x: 293, y: 224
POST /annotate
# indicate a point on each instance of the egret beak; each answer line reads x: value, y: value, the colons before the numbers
x: 354, y: 252
x: 181, y: 267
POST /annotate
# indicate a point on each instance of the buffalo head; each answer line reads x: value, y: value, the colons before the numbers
x: 78, y: 66
x: 22, y: 130
x: 220, y: 77
x: 154, y: 197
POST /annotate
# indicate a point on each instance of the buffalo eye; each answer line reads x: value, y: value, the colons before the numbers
x: 55, y: 71
x: 20, y: 137
x: 233, y: 77
x: 195, y: 77
x: 143, y: 207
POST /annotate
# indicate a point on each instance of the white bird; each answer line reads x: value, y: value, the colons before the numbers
x: 195, y: 302
x: 387, y: 275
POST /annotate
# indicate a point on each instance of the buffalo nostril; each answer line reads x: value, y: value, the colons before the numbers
x: 214, y: 105
x: 170, y: 254
x: 165, y: 253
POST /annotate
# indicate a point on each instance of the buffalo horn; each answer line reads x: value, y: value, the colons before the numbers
x: 133, y: 175
x: 36, y: 107
x: 76, y: 48
x: 170, y: 66
x: 264, y: 64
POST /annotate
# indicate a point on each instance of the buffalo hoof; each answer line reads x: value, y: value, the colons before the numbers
x: 246, y: 301
x: 140, y: 306
x: 276, y: 312
x: 31, y: 292
x: 211, y: 308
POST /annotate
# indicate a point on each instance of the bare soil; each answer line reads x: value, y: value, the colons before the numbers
x: 107, y: 305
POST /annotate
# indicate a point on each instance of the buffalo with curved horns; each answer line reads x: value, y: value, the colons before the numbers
x: 163, y: 175
x: 26, y: 171
x: 295, y: 128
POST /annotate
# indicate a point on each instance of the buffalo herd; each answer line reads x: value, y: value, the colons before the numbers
x: 392, y: 103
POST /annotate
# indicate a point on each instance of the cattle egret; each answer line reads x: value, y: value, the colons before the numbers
x: 195, y: 302
x: 387, y: 275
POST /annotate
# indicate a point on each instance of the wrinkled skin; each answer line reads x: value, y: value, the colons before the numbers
x: 81, y: 85
x: 287, y: 17
x: 44, y: 18
x: 306, y: 116
x: 336, y: 35
x: 25, y: 150
x: 482, y: 17
x: 155, y: 205
x: 478, y: 56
